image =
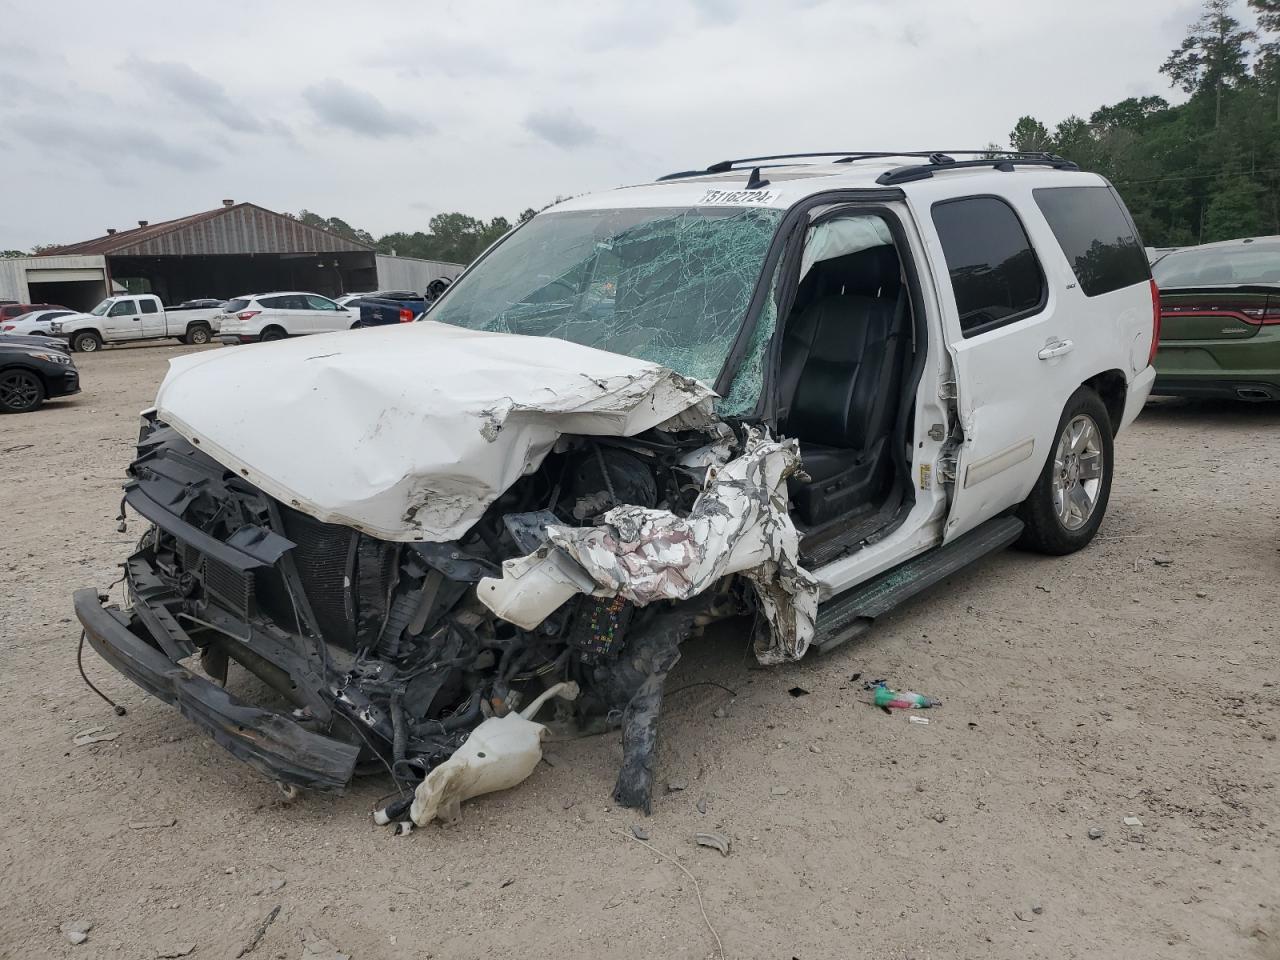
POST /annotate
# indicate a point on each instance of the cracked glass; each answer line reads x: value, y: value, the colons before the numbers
x: 670, y: 286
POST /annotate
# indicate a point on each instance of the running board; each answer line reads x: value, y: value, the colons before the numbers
x: 848, y: 614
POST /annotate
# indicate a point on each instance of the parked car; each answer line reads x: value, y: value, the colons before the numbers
x: 129, y: 318
x: 31, y: 374
x: 802, y: 393
x: 352, y: 299
x: 34, y: 322
x: 39, y: 340
x: 398, y: 306
x: 274, y: 316
x: 1220, y: 320
x: 11, y: 311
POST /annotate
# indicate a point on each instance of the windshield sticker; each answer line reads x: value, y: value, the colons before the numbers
x: 738, y: 197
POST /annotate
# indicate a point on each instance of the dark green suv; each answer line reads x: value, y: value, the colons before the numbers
x: 1220, y: 320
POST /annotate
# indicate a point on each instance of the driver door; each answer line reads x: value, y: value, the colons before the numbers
x: 325, y: 315
x: 123, y: 321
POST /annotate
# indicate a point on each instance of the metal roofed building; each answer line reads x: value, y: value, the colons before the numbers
x: 233, y: 249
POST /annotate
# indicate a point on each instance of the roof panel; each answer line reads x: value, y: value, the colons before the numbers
x: 237, y: 229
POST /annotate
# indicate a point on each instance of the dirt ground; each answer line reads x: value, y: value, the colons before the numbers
x: 1077, y: 692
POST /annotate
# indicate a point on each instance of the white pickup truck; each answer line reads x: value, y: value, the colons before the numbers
x: 131, y: 317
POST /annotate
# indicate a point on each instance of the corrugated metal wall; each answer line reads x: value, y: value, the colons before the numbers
x: 406, y: 273
x: 241, y: 229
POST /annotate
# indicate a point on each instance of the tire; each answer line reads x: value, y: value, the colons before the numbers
x: 271, y: 333
x: 86, y: 341
x: 197, y: 335
x: 21, y: 391
x: 1065, y: 507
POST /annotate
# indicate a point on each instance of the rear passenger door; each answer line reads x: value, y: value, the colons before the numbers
x: 152, y: 317
x: 1010, y: 347
x: 291, y: 310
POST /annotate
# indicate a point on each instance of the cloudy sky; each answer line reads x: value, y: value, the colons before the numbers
x: 385, y: 113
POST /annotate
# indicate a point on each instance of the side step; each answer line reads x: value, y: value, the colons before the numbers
x: 848, y: 614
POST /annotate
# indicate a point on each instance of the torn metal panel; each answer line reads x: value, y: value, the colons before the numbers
x: 409, y: 433
x: 739, y: 524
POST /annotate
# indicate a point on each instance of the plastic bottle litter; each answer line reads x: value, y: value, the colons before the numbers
x: 499, y: 753
x: 889, y: 698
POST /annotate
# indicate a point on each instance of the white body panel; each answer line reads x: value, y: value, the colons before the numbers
x: 1009, y: 396
x: 408, y: 432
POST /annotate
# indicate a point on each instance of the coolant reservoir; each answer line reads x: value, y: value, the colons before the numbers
x: 499, y: 753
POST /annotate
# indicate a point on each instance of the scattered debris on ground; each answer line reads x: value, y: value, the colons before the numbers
x: 717, y: 840
x: 94, y: 735
x: 259, y: 932
x: 76, y: 931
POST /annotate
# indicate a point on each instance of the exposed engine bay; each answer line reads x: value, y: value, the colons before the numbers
x: 387, y: 647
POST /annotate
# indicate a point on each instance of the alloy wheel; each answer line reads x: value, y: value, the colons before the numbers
x: 1077, y: 472
x: 19, y: 390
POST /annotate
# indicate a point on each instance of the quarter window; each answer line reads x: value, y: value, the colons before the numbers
x: 148, y: 306
x: 1097, y: 236
x: 995, y: 275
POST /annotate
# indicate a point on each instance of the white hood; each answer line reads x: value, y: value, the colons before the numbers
x: 408, y: 432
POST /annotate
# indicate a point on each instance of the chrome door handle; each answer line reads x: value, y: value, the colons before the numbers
x: 1055, y: 348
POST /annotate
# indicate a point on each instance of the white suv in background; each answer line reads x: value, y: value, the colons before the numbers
x: 274, y: 316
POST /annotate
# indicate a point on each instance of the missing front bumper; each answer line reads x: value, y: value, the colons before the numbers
x: 268, y: 741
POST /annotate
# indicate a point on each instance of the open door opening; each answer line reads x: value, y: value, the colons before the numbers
x: 847, y: 352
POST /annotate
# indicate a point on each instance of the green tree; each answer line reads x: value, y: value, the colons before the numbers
x: 11, y: 254
x: 1029, y: 135
x: 1213, y: 56
x: 333, y: 225
x: 1233, y: 211
x: 1267, y: 65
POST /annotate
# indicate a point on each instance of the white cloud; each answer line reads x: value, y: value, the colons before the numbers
x: 508, y: 86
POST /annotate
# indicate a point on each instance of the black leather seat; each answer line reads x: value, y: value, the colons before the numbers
x: 839, y: 381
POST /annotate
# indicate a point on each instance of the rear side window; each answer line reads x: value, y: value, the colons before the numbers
x: 1097, y: 236
x: 235, y: 306
x: 994, y: 272
x: 275, y: 303
x: 148, y: 306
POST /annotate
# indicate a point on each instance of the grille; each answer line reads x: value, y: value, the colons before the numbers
x: 324, y: 556
x: 191, y: 557
x: 227, y: 585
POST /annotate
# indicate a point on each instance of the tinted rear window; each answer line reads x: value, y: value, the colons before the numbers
x: 235, y: 306
x: 995, y: 275
x: 1097, y: 236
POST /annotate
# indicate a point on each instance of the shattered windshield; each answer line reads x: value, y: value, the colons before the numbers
x: 670, y: 286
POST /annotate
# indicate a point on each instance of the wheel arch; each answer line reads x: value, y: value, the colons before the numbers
x: 1112, y: 387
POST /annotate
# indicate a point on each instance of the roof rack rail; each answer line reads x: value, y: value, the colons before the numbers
x: 934, y: 157
x: 923, y: 171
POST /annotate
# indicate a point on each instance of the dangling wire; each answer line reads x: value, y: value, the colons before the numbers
x: 120, y: 711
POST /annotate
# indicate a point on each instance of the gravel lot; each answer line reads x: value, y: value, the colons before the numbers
x: 1077, y: 691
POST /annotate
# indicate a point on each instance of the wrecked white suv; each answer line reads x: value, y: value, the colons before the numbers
x: 801, y: 391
